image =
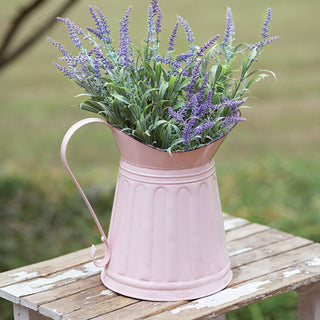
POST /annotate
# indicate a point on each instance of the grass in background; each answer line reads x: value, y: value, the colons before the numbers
x: 268, y: 168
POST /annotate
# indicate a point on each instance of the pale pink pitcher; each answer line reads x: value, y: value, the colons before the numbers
x: 166, y: 238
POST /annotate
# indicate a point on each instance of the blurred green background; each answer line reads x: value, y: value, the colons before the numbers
x: 268, y: 168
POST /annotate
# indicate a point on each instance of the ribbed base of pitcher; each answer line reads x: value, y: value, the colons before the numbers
x: 167, y: 291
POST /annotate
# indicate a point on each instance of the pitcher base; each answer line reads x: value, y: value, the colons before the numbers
x: 167, y: 291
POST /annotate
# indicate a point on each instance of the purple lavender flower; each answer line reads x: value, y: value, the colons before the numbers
x: 188, y: 31
x: 124, y: 39
x: 194, y: 78
x: 158, y: 22
x: 233, y: 104
x: 82, y: 61
x: 102, y: 30
x: 207, y: 106
x: 154, y: 25
x: 266, y: 24
x: 105, y: 63
x: 204, y: 126
x: 230, y: 121
x: 151, y: 15
x: 187, y: 131
x: 185, y: 56
x: 65, y: 71
x: 173, y: 36
x: 203, y: 87
x: 170, y: 62
x: 74, y: 31
x: 175, y: 115
x: 229, y: 31
x: 207, y: 45
x: 262, y: 43
x: 264, y: 34
x: 58, y: 46
x: 96, y: 67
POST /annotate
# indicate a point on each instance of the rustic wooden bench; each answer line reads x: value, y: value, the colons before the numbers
x: 265, y: 263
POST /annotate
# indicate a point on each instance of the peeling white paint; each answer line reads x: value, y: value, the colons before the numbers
x: 234, y: 253
x: 23, y: 275
x: 106, y: 292
x: 41, y: 284
x: 288, y: 274
x: 314, y: 262
x: 233, y: 223
x: 225, y: 296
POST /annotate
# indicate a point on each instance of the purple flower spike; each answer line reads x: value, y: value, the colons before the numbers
x: 96, y: 66
x: 229, y: 121
x: 229, y: 32
x: 266, y: 25
x: 170, y: 62
x: 188, y: 31
x: 102, y: 30
x: 184, y: 56
x: 233, y: 104
x: 175, y: 115
x: 194, y: 78
x: 173, y: 36
x: 207, y: 45
x: 106, y: 64
x: 159, y: 20
x: 187, y: 131
x: 204, y: 126
x: 74, y: 31
x: 64, y: 70
x: 58, y: 46
x: 202, y: 90
x: 151, y: 15
x: 154, y: 21
x: 124, y: 38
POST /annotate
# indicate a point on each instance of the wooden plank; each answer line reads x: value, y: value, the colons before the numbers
x: 270, y: 250
x: 15, y: 291
x: 245, y: 231
x: 74, y: 302
x: 245, y: 293
x: 45, y: 268
x: 255, y: 241
x: 93, y: 311
x: 273, y: 263
x: 35, y: 300
x: 140, y: 310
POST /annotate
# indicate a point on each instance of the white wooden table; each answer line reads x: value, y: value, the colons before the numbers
x: 265, y: 263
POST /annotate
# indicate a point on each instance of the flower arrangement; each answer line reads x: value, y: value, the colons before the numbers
x: 171, y: 101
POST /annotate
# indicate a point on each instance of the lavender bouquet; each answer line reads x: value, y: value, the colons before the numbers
x: 173, y: 101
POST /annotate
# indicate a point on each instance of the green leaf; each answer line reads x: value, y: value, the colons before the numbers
x: 162, y: 90
x: 172, y: 81
x: 158, y: 73
x: 120, y: 98
x: 256, y: 79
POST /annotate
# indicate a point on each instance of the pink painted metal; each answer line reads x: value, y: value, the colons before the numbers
x: 166, y: 238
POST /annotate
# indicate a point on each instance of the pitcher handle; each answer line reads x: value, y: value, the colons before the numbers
x: 64, y: 146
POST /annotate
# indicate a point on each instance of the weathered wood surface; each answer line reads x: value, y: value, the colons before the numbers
x: 265, y: 262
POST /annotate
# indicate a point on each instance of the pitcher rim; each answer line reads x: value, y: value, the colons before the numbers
x: 172, y: 152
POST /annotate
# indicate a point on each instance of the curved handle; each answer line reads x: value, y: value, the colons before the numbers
x: 64, y: 146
